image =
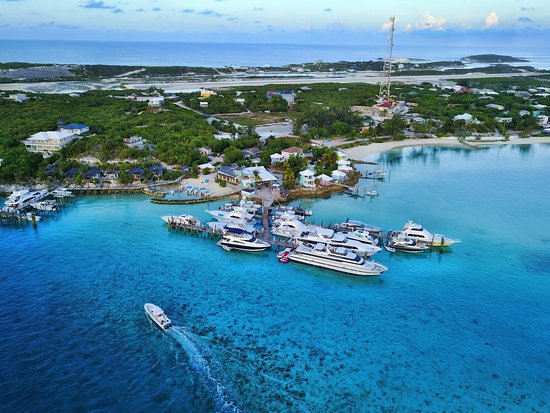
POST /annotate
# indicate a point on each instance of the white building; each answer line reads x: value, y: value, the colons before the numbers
x: 307, y: 179
x: 277, y: 158
x: 324, y: 180
x: 18, y: 97
x: 263, y: 176
x: 465, y: 117
x: 338, y: 176
x: 203, y: 104
x: 135, y: 142
x: 292, y: 151
x: 504, y: 120
x: 1, y: 160
x: 155, y: 102
x: 48, y: 142
x: 76, y: 128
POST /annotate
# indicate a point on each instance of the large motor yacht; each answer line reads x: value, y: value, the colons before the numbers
x: 337, y: 259
x: 236, y: 215
x: 360, y: 235
x: 399, y: 241
x: 286, y: 225
x: 420, y: 234
x: 237, y: 239
x: 329, y: 237
x: 24, y: 198
x: 354, y: 225
x: 156, y: 314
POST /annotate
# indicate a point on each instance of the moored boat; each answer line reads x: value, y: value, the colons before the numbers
x: 337, y: 259
x: 421, y: 234
x: 241, y: 240
x: 398, y: 241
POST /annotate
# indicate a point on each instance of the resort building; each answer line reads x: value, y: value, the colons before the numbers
x: 76, y: 128
x: 262, y: 176
x: 71, y: 173
x: 137, y: 174
x: 157, y: 171
x: 228, y: 175
x: 307, y: 179
x: 48, y: 142
x: 111, y: 175
x: 92, y: 174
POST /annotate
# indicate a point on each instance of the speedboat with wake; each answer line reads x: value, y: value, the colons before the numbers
x: 239, y: 239
x: 158, y: 317
x: 398, y: 241
x: 420, y: 234
x: 336, y: 259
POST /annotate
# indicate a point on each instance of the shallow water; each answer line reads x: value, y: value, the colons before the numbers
x: 467, y: 330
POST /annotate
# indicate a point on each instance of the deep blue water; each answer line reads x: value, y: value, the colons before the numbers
x: 227, y: 54
x: 467, y: 330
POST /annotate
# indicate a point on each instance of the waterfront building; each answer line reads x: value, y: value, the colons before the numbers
x: 324, y: 180
x: 338, y: 176
x: 262, y: 177
x: 307, y: 179
x: 228, y: 175
x: 157, y: 171
x: 92, y: 174
x: 48, y: 142
x: 71, y: 173
x: 203, y: 167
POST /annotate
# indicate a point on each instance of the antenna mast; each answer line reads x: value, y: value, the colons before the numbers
x: 385, y: 87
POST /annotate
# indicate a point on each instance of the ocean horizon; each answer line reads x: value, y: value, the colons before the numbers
x: 136, y: 53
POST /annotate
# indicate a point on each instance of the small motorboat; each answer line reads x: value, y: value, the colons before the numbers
x: 389, y: 249
x: 283, y: 256
x: 401, y: 242
x: 372, y: 193
x: 156, y: 314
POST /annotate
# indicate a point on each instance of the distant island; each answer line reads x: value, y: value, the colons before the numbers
x: 493, y: 58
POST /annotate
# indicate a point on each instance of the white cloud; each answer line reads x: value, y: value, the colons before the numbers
x: 492, y: 20
x: 429, y: 22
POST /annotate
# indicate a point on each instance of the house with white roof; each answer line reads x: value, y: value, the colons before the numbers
x: 494, y: 106
x: 338, y: 176
x: 307, y: 179
x: 276, y: 158
x: 48, y: 142
x: 465, y: 116
x: 292, y: 151
x: 324, y: 180
x: 155, y: 102
x: 76, y: 128
x: 263, y: 176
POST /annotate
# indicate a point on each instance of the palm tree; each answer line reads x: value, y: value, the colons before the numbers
x: 256, y: 174
x: 288, y: 175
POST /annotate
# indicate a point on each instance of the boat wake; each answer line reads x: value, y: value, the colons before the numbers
x: 185, y: 339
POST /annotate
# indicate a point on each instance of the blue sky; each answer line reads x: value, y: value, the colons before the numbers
x: 296, y: 21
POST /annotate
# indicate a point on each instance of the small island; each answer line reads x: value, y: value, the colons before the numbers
x: 493, y: 58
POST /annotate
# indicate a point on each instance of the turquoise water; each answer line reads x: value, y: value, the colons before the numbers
x: 467, y: 330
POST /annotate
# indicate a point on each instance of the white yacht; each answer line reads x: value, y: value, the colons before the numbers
x: 183, y: 220
x: 420, y: 234
x: 360, y: 235
x: 353, y: 225
x: 156, y: 314
x: 248, y: 205
x: 24, y: 198
x: 294, y: 210
x: 337, y: 259
x: 329, y: 237
x: 287, y: 226
x: 241, y: 240
x: 48, y: 205
x: 223, y: 227
x: 62, y: 193
x: 399, y: 241
x: 236, y: 215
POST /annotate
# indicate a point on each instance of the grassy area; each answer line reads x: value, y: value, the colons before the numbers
x: 256, y: 118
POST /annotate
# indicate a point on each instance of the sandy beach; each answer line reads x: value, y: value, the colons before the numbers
x: 361, y: 152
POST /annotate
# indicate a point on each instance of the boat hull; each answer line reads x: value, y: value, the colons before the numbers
x: 354, y: 270
x: 152, y: 312
x: 248, y: 248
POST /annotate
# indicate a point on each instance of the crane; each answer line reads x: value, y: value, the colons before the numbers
x: 384, y: 95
